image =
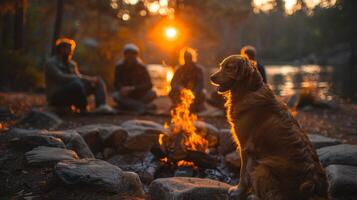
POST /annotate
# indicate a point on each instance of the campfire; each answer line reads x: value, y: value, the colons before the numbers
x: 184, y: 146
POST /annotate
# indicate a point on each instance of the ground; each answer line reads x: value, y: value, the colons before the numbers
x: 339, y: 122
x: 18, y: 182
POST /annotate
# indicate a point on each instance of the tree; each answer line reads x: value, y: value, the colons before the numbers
x: 57, y: 25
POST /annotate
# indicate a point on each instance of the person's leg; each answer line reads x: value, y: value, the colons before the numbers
x: 198, y: 104
x: 72, y: 93
x: 99, y: 91
x: 128, y: 103
x: 175, y: 97
x: 149, y: 96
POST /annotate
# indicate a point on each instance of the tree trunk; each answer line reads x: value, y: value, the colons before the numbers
x: 19, y: 24
x: 58, y: 24
x: 353, y: 49
x: 5, y: 32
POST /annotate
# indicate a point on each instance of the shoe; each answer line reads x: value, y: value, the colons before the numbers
x: 105, y: 108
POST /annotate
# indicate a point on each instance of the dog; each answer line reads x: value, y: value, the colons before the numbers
x: 278, y: 162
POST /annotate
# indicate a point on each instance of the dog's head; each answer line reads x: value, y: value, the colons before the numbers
x: 234, y: 69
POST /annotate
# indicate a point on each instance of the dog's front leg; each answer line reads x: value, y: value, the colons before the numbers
x: 240, y: 191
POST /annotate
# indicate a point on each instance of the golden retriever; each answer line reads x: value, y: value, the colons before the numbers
x: 278, y: 162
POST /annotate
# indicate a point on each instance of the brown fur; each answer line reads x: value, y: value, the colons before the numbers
x: 277, y: 159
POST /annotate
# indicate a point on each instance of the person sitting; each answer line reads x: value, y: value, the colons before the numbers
x: 216, y: 99
x: 251, y: 52
x: 66, y: 86
x: 133, y: 82
x: 189, y: 75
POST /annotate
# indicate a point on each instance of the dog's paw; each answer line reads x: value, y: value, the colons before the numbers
x: 237, y: 193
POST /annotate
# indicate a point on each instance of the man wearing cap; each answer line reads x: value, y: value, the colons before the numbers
x: 132, y: 82
x: 66, y: 86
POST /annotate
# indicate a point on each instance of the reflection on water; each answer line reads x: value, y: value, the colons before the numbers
x: 287, y: 80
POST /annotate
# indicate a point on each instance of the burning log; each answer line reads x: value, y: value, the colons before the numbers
x: 184, y: 146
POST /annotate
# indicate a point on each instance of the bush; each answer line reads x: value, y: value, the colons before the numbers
x: 18, y: 72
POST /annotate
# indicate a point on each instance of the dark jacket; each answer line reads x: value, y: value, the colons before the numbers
x: 134, y: 74
x: 57, y: 74
x: 190, y: 77
x: 261, y: 69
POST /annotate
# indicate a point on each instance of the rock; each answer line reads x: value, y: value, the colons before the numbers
x: 70, y: 138
x: 44, y: 154
x: 208, y: 131
x: 100, y: 136
x: 342, y: 181
x: 226, y: 142
x: 181, y: 188
x: 98, y: 175
x: 184, y: 172
x: 39, y: 120
x: 29, y: 142
x: 344, y: 154
x: 142, y: 163
x: 233, y: 159
x: 142, y: 135
x: 322, y: 141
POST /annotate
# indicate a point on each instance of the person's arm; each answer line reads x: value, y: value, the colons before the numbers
x: 200, y: 81
x: 146, y: 83
x: 261, y: 69
x: 175, y: 82
x: 53, y: 72
x: 118, y: 78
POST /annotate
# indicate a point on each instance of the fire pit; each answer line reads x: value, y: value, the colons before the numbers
x: 184, y: 146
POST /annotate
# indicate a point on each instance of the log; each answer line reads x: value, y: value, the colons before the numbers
x: 201, y: 159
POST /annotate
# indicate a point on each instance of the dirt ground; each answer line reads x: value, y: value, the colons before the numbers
x: 339, y: 122
x: 17, y: 181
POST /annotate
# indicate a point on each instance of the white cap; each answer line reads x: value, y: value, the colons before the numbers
x: 131, y: 47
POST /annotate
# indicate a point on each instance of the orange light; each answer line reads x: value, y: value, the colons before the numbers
x: 171, y: 33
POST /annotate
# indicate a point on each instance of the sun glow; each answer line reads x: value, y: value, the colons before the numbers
x: 171, y: 33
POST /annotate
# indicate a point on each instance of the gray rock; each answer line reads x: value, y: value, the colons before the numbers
x: 142, y: 163
x: 39, y: 120
x: 98, y: 175
x: 101, y: 136
x: 233, y: 159
x: 320, y: 141
x: 344, y: 154
x: 32, y: 141
x: 142, y: 135
x: 226, y: 142
x: 208, y: 131
x: 44, y: 154
x: 181, y: 188
x: 70, y: 138
x: 342, y: 181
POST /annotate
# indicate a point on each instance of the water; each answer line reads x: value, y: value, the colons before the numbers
x: 329, y: 81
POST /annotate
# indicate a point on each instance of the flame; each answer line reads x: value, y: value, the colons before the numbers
x: 183, y: 122
x: 182, y: 163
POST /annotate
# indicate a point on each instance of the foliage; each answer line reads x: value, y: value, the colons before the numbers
x: 19, y: 72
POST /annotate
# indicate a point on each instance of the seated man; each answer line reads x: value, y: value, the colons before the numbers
x: 133, y: 82
x: 188, y: 75
x: 66, y: 86
x: 250, y: 52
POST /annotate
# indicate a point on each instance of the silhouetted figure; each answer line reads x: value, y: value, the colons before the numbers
x: 188, y: 75
x: 66, y: 86
x: 251, y: 52
x: 216, y: 99
x: 133, y: 82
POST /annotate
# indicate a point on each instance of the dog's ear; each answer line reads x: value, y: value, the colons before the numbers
x: 243, y: 68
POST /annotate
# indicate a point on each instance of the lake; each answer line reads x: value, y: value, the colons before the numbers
x: 329, y: 81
